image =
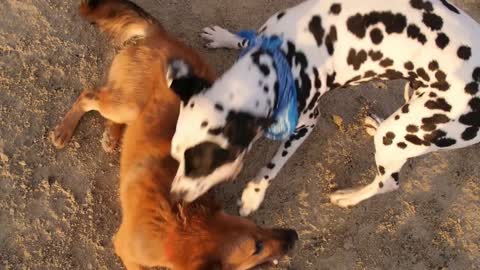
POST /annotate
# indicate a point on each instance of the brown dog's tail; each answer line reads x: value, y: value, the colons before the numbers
x: 121, y: 19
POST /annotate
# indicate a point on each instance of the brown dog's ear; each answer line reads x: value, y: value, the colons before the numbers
x: 182, y: 80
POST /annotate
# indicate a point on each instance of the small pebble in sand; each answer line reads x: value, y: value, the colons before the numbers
x: 3, y: 157
x: 338, y: 121
x: 22, y: 163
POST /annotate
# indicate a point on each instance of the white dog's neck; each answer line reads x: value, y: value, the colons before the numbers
x: 249, y: 86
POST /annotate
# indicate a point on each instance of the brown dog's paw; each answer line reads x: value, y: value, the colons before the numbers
x: 112, y: 136
x: 61, y: 136
x: 109, y: 143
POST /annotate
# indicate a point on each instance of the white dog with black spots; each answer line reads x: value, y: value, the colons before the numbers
x: 331, y: 44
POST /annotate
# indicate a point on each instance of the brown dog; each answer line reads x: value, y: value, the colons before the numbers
x: 155, y: 232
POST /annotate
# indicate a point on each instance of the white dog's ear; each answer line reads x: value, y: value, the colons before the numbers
x: 183, y: 81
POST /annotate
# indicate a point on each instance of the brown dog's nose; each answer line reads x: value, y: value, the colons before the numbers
x: 292, y: 237
x: 289, y: 237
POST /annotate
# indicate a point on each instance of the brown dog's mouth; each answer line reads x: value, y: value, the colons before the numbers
x: 270, y: 263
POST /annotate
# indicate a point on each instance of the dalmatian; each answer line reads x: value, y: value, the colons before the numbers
x: 330, y: 44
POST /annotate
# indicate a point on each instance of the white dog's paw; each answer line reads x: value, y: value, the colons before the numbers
x: 372, y: 122
x: 252, y: 197
x: 346, y: 198
x: 217, y: 37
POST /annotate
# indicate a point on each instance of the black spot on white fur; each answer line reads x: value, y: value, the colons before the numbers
x: 442, y: 40
x: 409, y: 65
x: 356, y: 59
x: 438, y: 104
x: 381, y: 170
x: 430, y: 123
x: 376, y: 36
x: 472, y: 88
x: 375, y: 55
x: 476, y: 74
x: 330, y: 39
x: 395, y: 177
x: 414, y: 32
x: 315, y: 27
x: 412, y: 129
x: 433, y: 21
x: 471, y: 119
x: 335, y: 9
x: 388, y: 138
x: 402, y: 145
x: 433, y: 65
x: 297, y: 59
x: 414, y: 139
x: 439, y: 138
x: 386, y: 62
x: 464, y: 52
x: 219, y: 107
x: 470, y: 133
x: 394, y: 23
x: 317, y: 82
x: 256, y: 60
x: 422, y: 5
x: 331, y: 84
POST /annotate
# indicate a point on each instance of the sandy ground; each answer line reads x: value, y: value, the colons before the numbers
x: 59, y: 209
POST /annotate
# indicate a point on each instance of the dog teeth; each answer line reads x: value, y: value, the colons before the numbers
x: 275, y: 261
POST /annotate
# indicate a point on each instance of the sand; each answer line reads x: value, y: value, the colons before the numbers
x: 59, y: 209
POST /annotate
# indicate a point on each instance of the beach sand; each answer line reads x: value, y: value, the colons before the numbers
x: 59, y: 208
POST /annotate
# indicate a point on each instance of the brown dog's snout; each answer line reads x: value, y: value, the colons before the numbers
x: 288, y: 237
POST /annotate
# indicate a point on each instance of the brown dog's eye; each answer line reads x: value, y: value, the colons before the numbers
x: 258, y: 247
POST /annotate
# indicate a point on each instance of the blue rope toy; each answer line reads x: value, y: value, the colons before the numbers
x: 285, y: 111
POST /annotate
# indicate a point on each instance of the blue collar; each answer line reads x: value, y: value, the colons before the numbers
x: 285, y: 111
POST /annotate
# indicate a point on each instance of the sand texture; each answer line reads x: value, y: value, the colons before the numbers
x: 59, y: 209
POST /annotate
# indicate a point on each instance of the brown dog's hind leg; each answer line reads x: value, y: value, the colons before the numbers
x: 87, y: 101
x: 110, y: 104
x: 112, y: 136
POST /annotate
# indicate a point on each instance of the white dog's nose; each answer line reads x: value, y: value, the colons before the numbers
x: 182, y: 190
x: 177, y: 195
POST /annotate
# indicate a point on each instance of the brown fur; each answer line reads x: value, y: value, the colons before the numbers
x: 154, y: 232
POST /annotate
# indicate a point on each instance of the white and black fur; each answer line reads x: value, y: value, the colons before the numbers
x: 331, y: 44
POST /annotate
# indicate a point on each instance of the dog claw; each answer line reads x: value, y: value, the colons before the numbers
x: 372, y: 122
x: 60, y: 136
x: 344, y: 198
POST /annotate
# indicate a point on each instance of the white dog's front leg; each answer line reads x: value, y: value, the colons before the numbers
x: 254, y: 192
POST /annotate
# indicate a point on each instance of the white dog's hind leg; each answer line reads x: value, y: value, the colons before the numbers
x: 383, y: 183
